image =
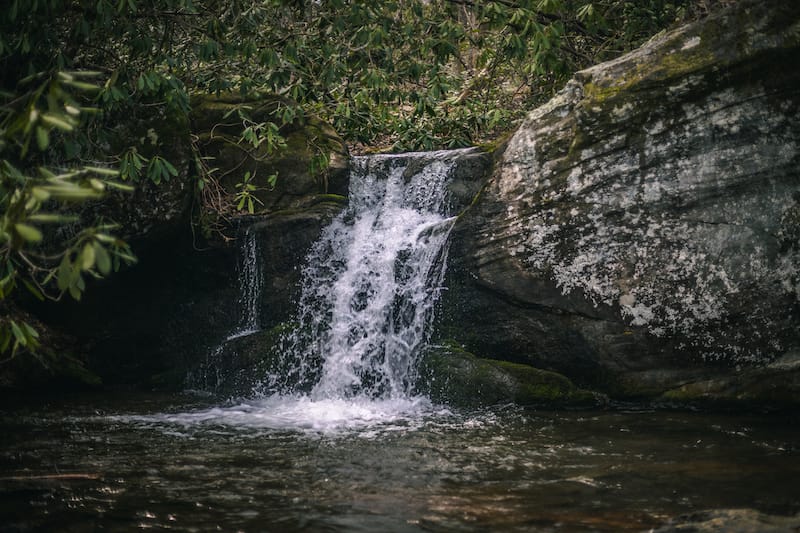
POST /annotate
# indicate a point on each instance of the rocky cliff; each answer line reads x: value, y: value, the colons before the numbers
x: 640, y: 232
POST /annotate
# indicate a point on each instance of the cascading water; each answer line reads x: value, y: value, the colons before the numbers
x: 372, y: 279
x: 251, y: 282
x: 369, y: 287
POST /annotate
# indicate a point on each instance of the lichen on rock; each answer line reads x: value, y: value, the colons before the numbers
x: 649, y: 209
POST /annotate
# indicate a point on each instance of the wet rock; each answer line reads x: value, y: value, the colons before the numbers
x: 450, y: 374
x: 242, y: 363
x: 643, y: 223
x: 469, y: 169
x: 284, y: 239
x: 731, y: 521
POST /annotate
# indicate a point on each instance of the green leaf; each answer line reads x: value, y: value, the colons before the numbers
x: 64, y: 274
x: 30, y: 332
x: 33, y: 290
x: 171, y: 169
x: 27, y: 232
x: 87, y: 256
x: 18, y: 334
x: 103, y: 259
x: 51, y: 218
x: 42, y: 138
x: 40, y: 194
x: 57, y: 122
x: 103, y: 171
x: 75, y: 292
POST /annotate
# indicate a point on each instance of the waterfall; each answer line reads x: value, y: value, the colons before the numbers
x: 369, y: 286
x: 210, y: 374
x: 371, y: 281
x: 251, y: 282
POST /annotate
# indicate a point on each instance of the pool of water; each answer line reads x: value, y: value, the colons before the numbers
x: 187, y: 463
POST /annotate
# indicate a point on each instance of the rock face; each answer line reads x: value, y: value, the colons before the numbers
x: 640, y: 232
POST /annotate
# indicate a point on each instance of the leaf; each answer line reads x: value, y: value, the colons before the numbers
x: 75, y: 292
x: 5, y: 338
x: 64, y: 274
x: 33, y: 290
x: 103, y: 171
x: 27, y: 232
x: 119, y: 186
x: 50, y: 218
x: 171, y: 169
x: 83, y: 86
x: 103, y: 259
x: 57, y: 122
x: 30, y: 332
x: 42, y: 138
x: 18, y: 334
x: 87, y: 256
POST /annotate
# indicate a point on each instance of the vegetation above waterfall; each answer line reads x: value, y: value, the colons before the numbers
x: 410, y: 74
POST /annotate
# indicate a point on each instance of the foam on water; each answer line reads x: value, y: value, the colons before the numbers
x: 300, y: 413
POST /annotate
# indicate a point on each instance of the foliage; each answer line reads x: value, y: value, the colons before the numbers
x: 411, y: 74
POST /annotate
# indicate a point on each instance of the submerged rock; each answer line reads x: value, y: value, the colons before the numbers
x: 731, y: 521
x: 640, y: 232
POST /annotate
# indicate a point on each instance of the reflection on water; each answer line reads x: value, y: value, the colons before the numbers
x: 175, y: 463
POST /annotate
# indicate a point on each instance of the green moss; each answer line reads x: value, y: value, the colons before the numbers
x: 657, y: 71
x: 458, y: 377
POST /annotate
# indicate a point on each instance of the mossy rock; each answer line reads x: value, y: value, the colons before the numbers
x: 451, y: 375
x: 216, y: 123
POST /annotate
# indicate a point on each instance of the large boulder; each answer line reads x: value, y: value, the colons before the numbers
x: 640, y: 232
x: 451, y: 375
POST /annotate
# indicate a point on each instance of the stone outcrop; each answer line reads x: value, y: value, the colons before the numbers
x: 640, y: 231
x: 450, y: 375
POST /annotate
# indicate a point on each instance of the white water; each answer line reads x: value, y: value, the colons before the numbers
x: 369, y: 288
x: 371, y: 282
x: 251, y: 282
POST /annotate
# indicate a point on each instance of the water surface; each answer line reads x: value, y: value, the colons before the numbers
x: 185, y: 463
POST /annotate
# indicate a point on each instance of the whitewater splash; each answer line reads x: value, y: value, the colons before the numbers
x: 372, y: 279
x: 369, y: 288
